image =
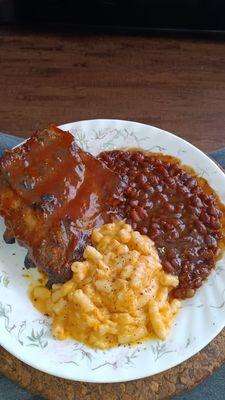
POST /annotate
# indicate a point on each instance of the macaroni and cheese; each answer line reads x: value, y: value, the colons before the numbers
x: 118, y: 295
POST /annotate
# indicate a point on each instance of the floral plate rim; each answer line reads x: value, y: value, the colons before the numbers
x: 159, y: 350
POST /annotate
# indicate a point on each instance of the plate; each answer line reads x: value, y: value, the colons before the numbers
x: 25, y: 332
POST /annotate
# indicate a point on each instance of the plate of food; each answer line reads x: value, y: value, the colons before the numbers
x: 112, y: 250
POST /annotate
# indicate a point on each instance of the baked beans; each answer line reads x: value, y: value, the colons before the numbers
x: 176, y: 209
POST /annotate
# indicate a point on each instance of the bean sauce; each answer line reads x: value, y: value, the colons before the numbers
x: 177, y: 209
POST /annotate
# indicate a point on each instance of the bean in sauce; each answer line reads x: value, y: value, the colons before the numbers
x: 176, y: 209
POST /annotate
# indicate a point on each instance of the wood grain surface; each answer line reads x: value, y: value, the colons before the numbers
x: 175, y: 84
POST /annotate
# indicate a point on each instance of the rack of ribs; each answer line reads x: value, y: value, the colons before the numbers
x: 52, y: 194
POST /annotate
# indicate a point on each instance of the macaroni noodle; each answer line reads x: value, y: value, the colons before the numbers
x: 118, y: 295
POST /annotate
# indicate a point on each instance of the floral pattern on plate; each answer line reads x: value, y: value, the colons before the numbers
x: 26, y: 333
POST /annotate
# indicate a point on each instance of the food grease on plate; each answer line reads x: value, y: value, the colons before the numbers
x: 52, y: 194
x: 177, y: 209
x: 118, y: 295
x: 201, y: 318
x: 155, y: 194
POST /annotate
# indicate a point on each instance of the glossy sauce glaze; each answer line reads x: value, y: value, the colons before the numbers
x: 52, y: 194
x: 174, y: 207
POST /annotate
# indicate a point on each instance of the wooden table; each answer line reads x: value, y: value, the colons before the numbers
x: 175, y: 84
x: 59, y: 77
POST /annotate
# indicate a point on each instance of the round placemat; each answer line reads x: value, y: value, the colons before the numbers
x: 158, y: 387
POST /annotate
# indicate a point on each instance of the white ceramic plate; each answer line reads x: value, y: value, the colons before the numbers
x: 26, y: 333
